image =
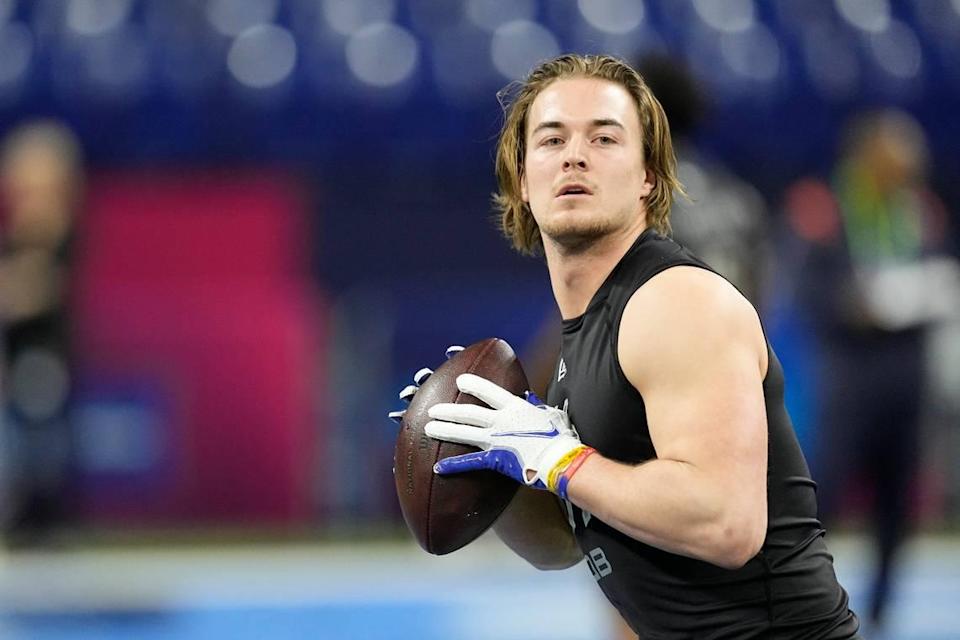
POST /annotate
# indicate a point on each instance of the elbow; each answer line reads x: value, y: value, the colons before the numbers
x: 739, y: 555
x: 555, y: 562
x: 554, y: 565
x: 735, y: 544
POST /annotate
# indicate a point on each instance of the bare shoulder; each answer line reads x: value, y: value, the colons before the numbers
x: 683, y: 319
x: 689, y: 288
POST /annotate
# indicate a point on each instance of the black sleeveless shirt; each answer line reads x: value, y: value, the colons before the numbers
x: 788, y: 590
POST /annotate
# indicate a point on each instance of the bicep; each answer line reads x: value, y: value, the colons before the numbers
x: 693, y: 350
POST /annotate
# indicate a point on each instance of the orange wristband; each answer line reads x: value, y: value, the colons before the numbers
x: 560, y: 488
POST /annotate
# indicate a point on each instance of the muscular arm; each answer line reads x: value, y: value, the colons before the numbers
x: 535, y: 527
x: 693, y: 347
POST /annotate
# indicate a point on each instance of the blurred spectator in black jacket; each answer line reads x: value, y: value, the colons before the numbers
x: 41, y: 179
x: 724, y: 220
x: 872, y: 279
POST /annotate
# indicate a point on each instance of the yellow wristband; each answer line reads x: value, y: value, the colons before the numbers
x: 566, y: 462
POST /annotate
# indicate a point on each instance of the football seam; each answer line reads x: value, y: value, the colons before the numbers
x: 470, y: 369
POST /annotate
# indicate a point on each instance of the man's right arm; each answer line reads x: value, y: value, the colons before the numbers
x: 534, y: 525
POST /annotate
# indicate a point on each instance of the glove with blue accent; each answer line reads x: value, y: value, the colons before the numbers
x: 407, y: 393
x: 521, y: 438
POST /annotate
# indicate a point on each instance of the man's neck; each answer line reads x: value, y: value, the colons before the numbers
x: 577, y: 273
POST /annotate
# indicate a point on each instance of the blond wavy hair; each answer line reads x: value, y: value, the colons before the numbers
x: 514, y: 215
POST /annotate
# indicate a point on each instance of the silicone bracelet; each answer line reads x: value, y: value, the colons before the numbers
x: 569, y: 465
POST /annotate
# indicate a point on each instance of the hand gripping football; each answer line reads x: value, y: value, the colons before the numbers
x: 446, y: 513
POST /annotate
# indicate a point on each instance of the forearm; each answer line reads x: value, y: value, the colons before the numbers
x: 535, y: 528
x: 674, y: 506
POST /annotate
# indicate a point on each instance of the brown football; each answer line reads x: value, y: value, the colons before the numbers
x: 446, y: 513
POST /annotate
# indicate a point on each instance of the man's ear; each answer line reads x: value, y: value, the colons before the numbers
x: 523, y: 188
x: 649, y: 181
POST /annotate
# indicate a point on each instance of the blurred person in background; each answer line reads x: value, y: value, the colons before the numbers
x: 723, y: 219
x: 41, y: 178
x: 872, y: 279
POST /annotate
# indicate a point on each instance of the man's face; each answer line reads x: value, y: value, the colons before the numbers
x: 584, y: 175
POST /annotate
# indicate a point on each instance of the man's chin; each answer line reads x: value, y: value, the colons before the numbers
x: 575, y: 236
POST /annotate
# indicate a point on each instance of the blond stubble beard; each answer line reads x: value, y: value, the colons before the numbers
x: 575, y: 237
x: 578, y: 235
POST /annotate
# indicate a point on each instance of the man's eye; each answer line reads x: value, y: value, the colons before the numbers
x: 552, y: 142
x: 605, y: 140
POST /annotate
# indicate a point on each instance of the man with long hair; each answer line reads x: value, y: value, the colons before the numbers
x: 682, y: 483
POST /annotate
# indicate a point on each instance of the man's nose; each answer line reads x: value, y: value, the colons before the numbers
x: 575, y: 158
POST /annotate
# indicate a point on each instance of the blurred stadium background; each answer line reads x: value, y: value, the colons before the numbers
x: 286, y: 213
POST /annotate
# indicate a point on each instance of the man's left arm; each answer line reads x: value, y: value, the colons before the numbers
x: 694, y: 349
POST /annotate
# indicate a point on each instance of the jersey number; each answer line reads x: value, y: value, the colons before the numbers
x: 598, y: 563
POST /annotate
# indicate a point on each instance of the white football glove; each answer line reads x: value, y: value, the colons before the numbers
x: 524, y: 439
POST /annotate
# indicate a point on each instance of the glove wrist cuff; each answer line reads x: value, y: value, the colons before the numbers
x: 566, y: 466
